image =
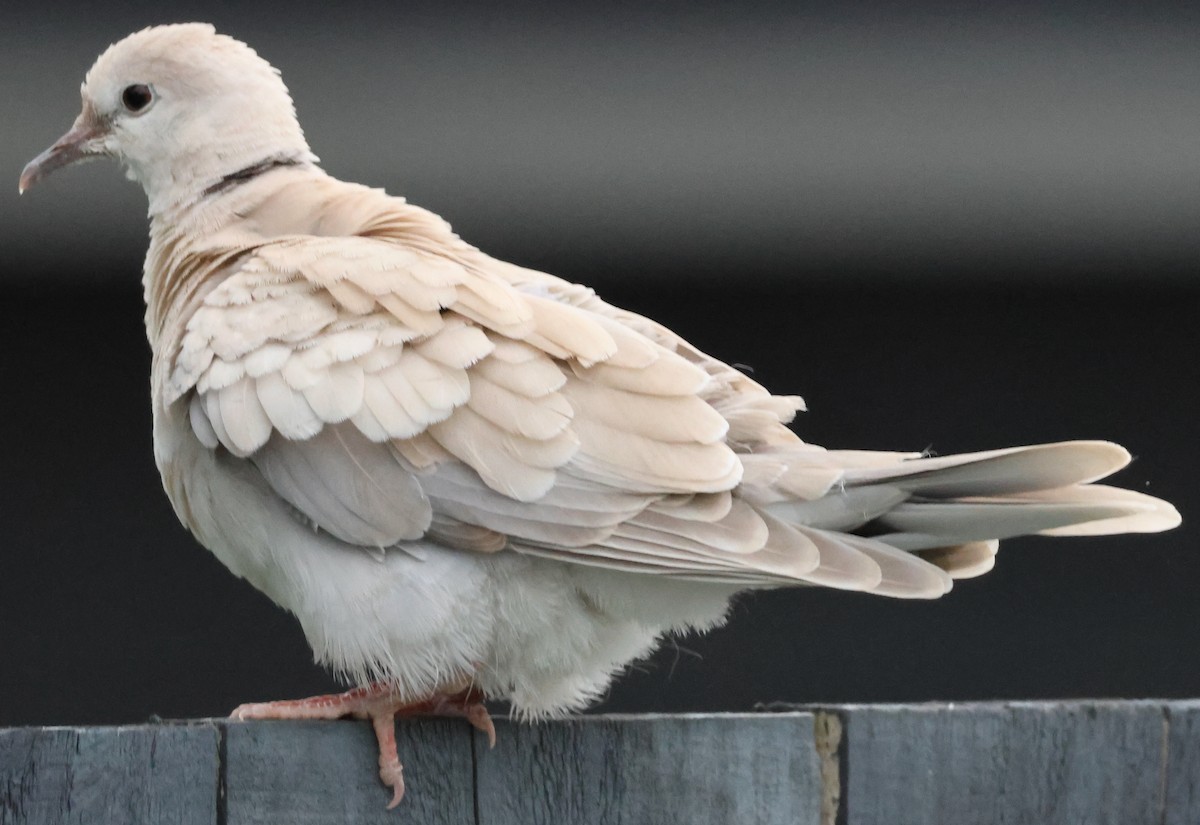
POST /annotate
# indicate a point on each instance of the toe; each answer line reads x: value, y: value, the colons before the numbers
x: 244, y: 712
x: 481, y: 720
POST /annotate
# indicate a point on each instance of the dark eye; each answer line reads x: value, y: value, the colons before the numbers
x: 136, y: 97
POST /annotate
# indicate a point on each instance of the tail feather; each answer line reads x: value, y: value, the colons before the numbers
x: 999, y: 472
x: 966, y: 561
x: 903, y: 525
x: 1147, y: 514
x: 944, y: 523
x: 841, y: 509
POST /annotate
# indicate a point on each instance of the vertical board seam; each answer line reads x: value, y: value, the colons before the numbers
x: 470, y: 731
x: 1164, y: 765
x: 222, y: 777
x: 831, y: 753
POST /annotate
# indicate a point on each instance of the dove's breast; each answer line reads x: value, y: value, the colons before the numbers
x: 415, y: 617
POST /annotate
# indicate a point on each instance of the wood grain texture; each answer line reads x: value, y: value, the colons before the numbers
x: 652, y: 769
x: 138, y: 775
x: 311, y: 773
x: 1019, y: 763
x: 1182, y: 791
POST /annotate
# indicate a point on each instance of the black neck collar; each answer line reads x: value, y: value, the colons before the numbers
x: 249, y: 173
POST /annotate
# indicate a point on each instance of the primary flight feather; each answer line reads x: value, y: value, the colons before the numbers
x: 468, y: 479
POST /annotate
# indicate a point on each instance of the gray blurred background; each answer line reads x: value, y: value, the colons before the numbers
x: 891, y: 139
x: 947, y: 227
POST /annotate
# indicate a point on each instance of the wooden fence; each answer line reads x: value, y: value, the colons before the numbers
x: 1039, y: 763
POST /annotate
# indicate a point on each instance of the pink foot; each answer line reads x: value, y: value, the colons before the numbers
x: 391, y: 772
x: 469, y: 705
x: 380, y: 704
x: 357, y: 703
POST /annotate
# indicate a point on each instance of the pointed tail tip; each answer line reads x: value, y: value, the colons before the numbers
x: 1170, y: 517
x: 1142, y: 514
x: 1108, y: 455
x: 1119, y: 453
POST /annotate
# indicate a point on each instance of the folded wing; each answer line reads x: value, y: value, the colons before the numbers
x: 390, y: 394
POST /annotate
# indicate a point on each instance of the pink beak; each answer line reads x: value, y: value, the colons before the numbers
x: 81, y: 143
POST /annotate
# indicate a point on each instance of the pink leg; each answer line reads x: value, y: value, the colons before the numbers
x: 380, y: 704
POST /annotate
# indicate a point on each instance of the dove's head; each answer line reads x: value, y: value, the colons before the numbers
x: 182, y: 107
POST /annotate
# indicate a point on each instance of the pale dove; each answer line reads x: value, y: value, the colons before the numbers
x: 466, y: 478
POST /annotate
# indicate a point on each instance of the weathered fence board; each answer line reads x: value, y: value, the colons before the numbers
x: 1019, y: 763
x: 1182, y: 792
x: 321, y: 773
x: 143, y: 775
x: 630, y: 770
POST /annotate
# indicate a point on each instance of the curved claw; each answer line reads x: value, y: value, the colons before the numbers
x: 468, y: 706
x: 391, y: 772
x: 243, y: 712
